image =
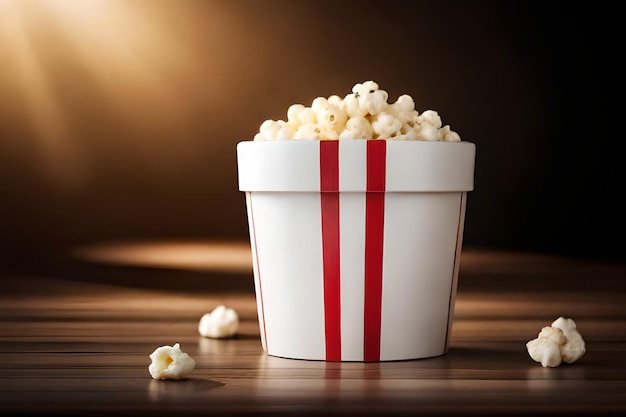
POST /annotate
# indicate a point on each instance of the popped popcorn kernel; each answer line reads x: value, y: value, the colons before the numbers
x: 295, y: 114
x: 352, y: 107
x: 559, y: 342
x: 169, y: 362
x: 371, y: 99
x: 269, y: 128
x: 574, y: 347
x: 544, y: 351
x: 564, y: 324
x: 335, y: 100
x: 222, y: 322
x: 332, y: 117
x: 556, y: 336
x: 427, y: 132
x: 365, y: 113
x: 386, y: 126
x: 448, y: 135
x: 309, y: 131
x: 357, y: 127
x: 407, y: 132
x: 403, y: 109
x: 432, y: 118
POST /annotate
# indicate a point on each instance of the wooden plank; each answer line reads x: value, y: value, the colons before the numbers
x: 72, y: 346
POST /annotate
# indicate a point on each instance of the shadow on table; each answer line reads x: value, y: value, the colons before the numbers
x: 173, y: 266
x: 159, y: 390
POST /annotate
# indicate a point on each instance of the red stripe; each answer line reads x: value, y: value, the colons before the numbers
x: 374, y: 233
x: 258, y: 268
x: 329, y: 187
x: 329, y: 166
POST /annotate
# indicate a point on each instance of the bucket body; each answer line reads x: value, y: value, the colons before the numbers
x: 355, y: 245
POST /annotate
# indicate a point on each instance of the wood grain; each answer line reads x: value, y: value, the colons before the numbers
x: 75, y: 339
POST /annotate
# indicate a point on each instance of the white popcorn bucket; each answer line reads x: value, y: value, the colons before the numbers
x: 355, y: 245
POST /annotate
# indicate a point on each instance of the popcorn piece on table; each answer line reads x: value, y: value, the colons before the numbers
x: 545, y: 351
x: 222, y: 322
x: 574, y: 347
x: 559, y: 342
x: 169, y: 362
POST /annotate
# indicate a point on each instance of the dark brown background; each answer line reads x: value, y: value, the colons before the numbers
x: 121, y: 122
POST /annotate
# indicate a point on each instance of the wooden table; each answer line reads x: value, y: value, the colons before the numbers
x: 75, y: 336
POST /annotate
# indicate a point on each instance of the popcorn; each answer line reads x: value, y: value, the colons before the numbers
x: 432, y: 118
x: 403, y: 109
x: 559, y: 342
x: 386, y: 126
x: 222, y: 322
x: 362, y: 114
x: 332, y: 117
x: 427, y: 132
x: 357, y: 127
x: 309, y: 131
x: 553, y: 334
x: 169, y: 362
x: 448, y: 135
x: 406, y: 133
x: 545, y: 351
x: 371, y: 99
x: 574, y: 347
x: 274, y: 130
x: 352, y: 107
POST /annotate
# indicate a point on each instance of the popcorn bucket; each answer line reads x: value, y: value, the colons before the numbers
x: 355, y: 245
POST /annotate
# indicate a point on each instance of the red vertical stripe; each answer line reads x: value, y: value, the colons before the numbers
x: 329, y: 166
x: 374, y: 234
x: 329, y: 187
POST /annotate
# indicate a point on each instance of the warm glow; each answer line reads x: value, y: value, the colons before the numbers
x: 232, y: 257
x: 112, y: 56
x: 26, y: 71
